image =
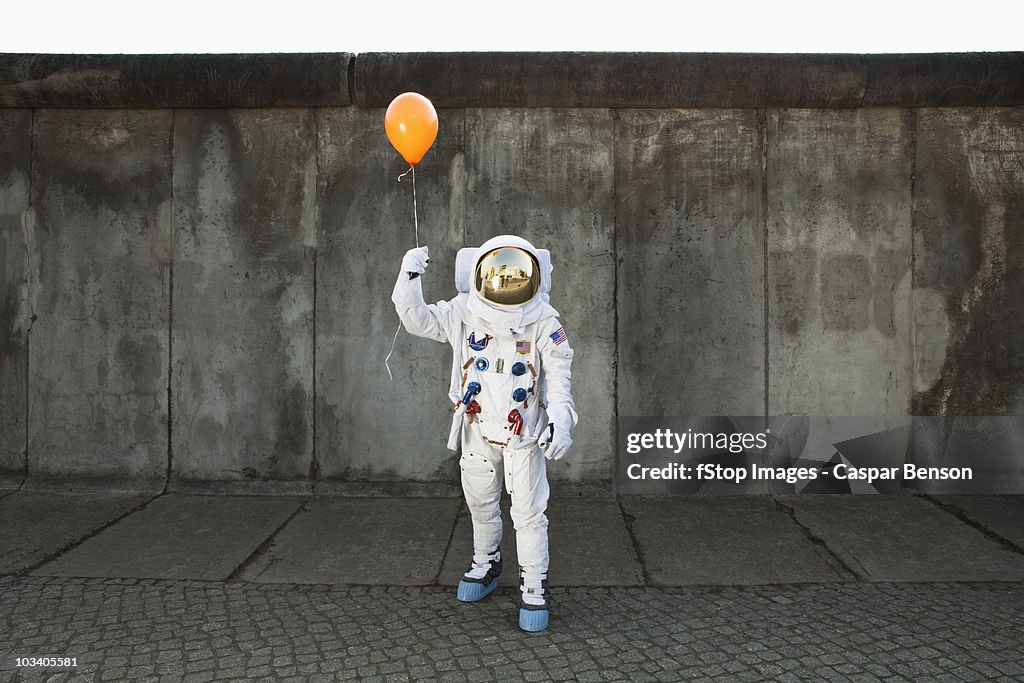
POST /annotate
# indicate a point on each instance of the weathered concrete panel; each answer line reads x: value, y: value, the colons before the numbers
x: 969, y: 262
x: 368, y: 427
x: 904, y: 538
x: 376, y: 541
x: 38, y: 524
x: 968, y: 303
x: 714, y: 540
x: 690, y: 246
x: 15, y: 313
x: 178, y: 537
x: 547, y: 176
x: 839, y: 252
x: 244, y: 213
x: 101, y: 190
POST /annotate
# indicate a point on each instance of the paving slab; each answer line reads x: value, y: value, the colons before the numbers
x: 725, y: 540
x: 178, y: 537
x: 1003, y: 515
x: 589, y: 545
x: 370, y: 541
x: 38, y: 524
x: 904, y: 538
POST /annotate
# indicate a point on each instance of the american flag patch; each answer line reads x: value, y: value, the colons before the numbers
x: 522, y: 347
x: 558, y: 336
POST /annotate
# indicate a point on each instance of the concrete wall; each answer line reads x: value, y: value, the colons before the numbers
x: 196, y: 273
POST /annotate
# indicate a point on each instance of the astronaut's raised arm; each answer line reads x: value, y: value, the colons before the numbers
x: 420, y: 318
x: 556, y: 362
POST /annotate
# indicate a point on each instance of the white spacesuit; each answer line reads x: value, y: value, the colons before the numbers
x: 510, y: 385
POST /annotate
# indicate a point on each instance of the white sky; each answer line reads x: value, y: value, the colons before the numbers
x: 113, y: 26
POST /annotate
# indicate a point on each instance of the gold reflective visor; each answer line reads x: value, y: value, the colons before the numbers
x: 507, y: 275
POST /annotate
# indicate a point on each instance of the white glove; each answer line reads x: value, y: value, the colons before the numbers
x: 415, y: 261
x: 554, y: 441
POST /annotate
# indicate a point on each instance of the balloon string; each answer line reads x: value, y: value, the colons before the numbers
x: 388, y: 357
x: 416, y: 224
x: 415, y: 212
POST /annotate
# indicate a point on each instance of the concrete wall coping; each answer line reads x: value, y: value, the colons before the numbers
x: 162, y: 81
x: 514, y: 79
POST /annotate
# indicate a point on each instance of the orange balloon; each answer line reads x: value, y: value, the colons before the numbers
x: 411, y: 125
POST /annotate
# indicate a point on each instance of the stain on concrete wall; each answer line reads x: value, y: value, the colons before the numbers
x: 689, y: 222
x: 969, y: 249
x: 101, y: 183
x: 839, y: 259
x: 548, y: 175
x: 242, y: 383
x: 370, y: 427
x: 15, y: 314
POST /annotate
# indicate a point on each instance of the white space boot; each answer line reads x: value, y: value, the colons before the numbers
x: 482, y: 576
x: 533, y: 601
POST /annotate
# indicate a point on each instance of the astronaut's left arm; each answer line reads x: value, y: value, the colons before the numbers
x: 556, y: 364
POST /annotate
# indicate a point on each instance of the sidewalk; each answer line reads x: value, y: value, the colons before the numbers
x: 736, y: 587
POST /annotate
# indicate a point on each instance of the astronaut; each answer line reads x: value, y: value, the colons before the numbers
x: 510, y: 385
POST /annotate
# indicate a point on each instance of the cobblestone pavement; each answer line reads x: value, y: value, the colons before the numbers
x: 201, y: 631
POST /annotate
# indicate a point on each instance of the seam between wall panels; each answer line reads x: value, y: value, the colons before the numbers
x: 614, y: 114
x: 913, y: 269
x: 762, y: 121
x: 30, y: 307
x: 314, y: 463
x: 172, y: 241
